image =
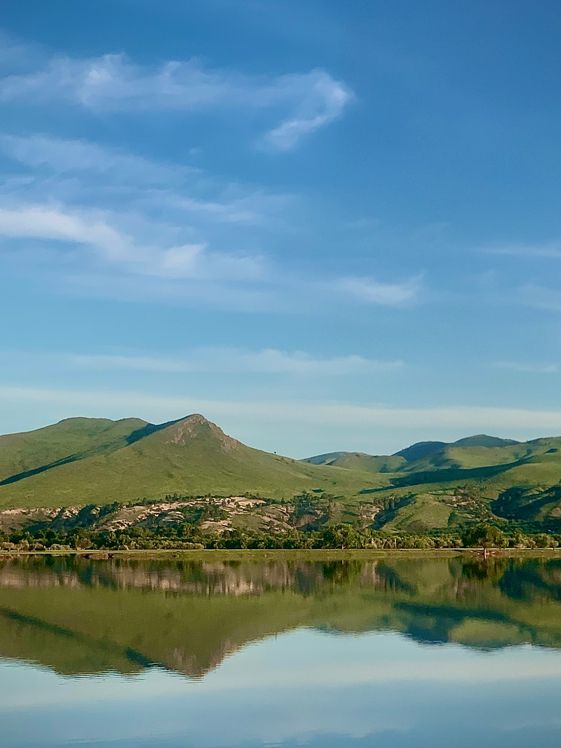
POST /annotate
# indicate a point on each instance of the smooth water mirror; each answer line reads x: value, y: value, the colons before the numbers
x: 409, y: 652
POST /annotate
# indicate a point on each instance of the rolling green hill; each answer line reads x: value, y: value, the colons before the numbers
x: 473, y: 451
x: 437, y: 485
x: 360, y: 461
x: 63, y: 442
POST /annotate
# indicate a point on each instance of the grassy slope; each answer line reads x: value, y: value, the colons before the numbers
x: 425, y: 512
x: 529, y: 463
x: 73, y: 436
x: 360, y: 461
x: 469, y: 457
x: 193, y: 459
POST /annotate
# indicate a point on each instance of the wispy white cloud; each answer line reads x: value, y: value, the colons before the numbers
x: 322, y: 100
x: 374, y: 291
x: 67, y: 156
x: 195, y: 261
x: 525, y: 368
x: 235, y: 360
x: 92, y: 229
x: 255, y: 208
x: 547, y: 250
x: 17, y: 55
x: 304, y: 102
x: 151, y: 184
x: 56, y: 224
x: 112, y: 224
x: 109, y: 254
x: 540, y: 297
x: 431, y: 420
x: 217, y: 293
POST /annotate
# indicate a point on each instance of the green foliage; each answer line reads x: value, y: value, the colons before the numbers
x: 331, y: 536
x: 484, y: 536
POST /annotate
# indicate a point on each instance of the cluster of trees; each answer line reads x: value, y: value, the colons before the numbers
x: 490, y: 536
x: 344, y: 536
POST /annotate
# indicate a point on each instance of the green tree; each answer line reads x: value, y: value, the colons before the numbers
x: 484, y: 536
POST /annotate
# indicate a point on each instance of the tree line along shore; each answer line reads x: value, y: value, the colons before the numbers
x: 340, y: 536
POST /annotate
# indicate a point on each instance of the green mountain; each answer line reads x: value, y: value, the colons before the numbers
x: 80, y: 461
x: 421, y: 450
x: 360, y: 461
x: 429, y: 485
x: 470, y: 452
x: 466, y: 452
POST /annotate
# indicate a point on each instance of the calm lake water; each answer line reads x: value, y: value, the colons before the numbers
x: 396, y: 652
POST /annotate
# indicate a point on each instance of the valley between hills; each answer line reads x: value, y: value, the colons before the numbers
x: 110, y: 475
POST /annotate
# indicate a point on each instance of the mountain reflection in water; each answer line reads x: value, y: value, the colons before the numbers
x: 79, y: 616
x: 405, y: 652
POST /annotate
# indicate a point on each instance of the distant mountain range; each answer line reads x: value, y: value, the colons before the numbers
x: 428, y: 485
x: 409, y: 455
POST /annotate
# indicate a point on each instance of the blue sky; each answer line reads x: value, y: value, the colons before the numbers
x: 324, y: 225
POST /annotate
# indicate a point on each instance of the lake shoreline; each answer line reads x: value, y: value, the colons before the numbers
x: 319, y: 554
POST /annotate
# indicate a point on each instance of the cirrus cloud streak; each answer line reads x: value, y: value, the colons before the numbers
x: 235, y: 360
x: 304, y: 102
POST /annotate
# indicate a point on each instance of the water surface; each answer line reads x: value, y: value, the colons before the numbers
x: 394, y: 652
